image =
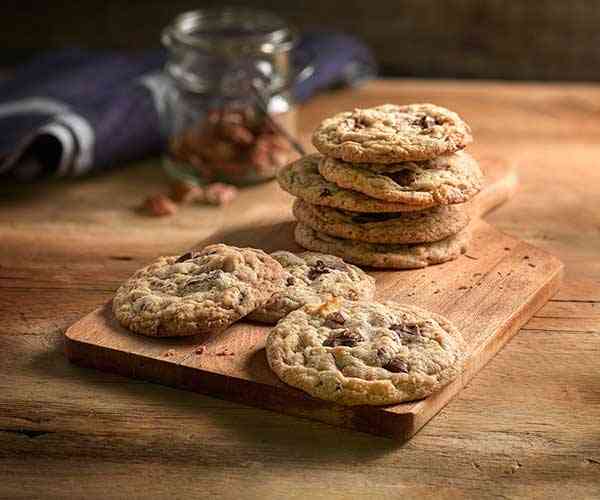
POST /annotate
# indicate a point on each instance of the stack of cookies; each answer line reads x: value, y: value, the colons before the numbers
x: 391, y: 187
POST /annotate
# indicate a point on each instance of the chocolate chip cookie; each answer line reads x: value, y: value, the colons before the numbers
x: 433, y: 224
x: 391, y: 134
x: 392, y: 256
x: 444, y: 180
x: 313, y: 277
x: 365, y: 353
x: 302, y: 179
x: 198, y: 292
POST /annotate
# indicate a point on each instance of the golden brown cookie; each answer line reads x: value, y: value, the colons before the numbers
x: 365, y: 353
x: 198, y: 292
x: 390, y: 134
x: 433, y: 224
x: 444, y: 180
x: 389, y: 256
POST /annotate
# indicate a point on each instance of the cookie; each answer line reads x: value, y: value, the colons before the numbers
x: 391, y: 134
x: 444, y: 180
x: 198, y: 292
x: 365, y: 353
x: 391, y: 256
x: 311, y: 278
x: 302, y: 179
x: 433, y: 224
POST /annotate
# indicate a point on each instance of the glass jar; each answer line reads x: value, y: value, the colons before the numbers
x: 228, y: 112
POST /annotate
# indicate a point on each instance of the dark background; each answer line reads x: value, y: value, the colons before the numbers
x: 507, y: 39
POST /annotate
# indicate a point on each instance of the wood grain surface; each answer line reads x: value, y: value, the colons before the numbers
x: 489, y: 293
x: 527, y: 426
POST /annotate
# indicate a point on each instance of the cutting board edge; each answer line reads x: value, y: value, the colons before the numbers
x: 489, y: 350
x: 182, y: 377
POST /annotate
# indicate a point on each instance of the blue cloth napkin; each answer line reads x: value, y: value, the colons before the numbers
x: 73, y: 112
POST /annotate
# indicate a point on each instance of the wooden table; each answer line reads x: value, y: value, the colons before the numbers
x: 527, y: 425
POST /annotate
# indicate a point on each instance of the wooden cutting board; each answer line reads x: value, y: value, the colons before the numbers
x: 489, y: 293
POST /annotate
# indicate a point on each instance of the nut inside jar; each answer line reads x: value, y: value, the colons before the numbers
x: 236, y: 144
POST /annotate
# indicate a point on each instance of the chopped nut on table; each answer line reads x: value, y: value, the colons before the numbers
x: 186, y: 192
x: 159, y: 205
x: 220, y: 194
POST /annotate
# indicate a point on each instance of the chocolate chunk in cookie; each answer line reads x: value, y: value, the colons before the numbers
x: 345, y: 338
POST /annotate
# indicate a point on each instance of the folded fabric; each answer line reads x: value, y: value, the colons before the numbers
x: 72, y: 112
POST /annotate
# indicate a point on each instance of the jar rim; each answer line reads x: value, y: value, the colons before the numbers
x: 230, y: 30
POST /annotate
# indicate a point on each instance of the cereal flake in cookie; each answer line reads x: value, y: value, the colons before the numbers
x: 365, y: 353
x: 302, y: 179
x: 313, y: 277
x: 433, y: 224
x: 198, y: 292
x: 389, y: 256
x: 391, y: 134
x: 443, y: 180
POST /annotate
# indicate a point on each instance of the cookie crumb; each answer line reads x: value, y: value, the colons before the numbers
x: 515, y: 467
